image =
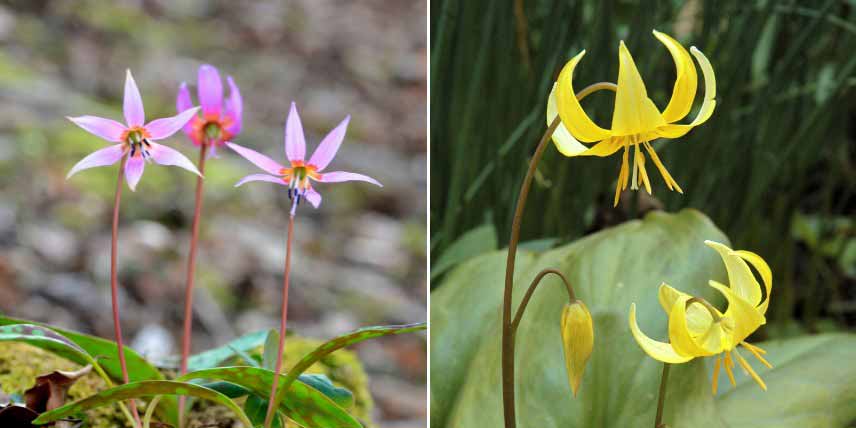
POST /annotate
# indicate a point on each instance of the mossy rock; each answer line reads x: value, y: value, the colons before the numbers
x: 21, y: 363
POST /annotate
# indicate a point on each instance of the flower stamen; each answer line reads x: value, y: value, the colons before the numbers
x: 728, y: 368
x: 715, y: 380
x: 748, y: 369
x: 757, y: 352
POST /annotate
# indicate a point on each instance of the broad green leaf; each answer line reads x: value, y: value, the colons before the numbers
x: 322, y: 383
x: 105, y: 352
x: 810, y: 386
x: 141, y: 389
x: 256, y: 409
x: 47, y: 339
x: 214, y: 357
x: 228, y: 389
x: 609, y: 270
x: 470, y: 244
x: 340, y: 342
x: 271, y: 350
x: 304, y: 404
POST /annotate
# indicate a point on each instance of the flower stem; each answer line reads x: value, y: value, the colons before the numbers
x: 507, y: 327
x: 535, y: 282
x: 114, y: 285
x: 664, y: 378
x: 191, y: 270
x: 270, y: 410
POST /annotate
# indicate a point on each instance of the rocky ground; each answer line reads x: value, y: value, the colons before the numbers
x: 359, y: 260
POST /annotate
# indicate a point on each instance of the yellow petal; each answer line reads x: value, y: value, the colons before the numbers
x: 765, y: 272
x: 657, y: 350
x: 605, y: 147
x: 746, y: 318
x: 578, y: 341
x: 564, y: 141
x: 707, y: 106
x: 668, y: 296
x: 686, y: 80
x: 740, y: 278
x: 679, y: 332
x: 634, y: 112
x: 573, y: 116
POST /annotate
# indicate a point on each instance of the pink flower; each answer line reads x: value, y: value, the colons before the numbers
x: 221, y: 119
x: 300, y: 175
x: 135, y: 139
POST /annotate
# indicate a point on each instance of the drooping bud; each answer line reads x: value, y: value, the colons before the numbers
x: 577, y: 340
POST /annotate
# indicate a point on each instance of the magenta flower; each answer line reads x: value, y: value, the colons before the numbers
x: 221, y: 119
x: 135, y: 139
x: 300, y: 175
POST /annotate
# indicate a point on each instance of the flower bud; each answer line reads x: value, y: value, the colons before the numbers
x: 578, y: 341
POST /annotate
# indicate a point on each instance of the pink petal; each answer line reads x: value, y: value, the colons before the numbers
x: 107, y: 129
x: 295, y: 142
x: 103, y: 157
x: 133, y: 105
x: 313, y: 197
x: 134, y: 170
x: 163, y: 128
x: 234, y: 107
x: 210, y: 89
x: 182, y: 103
x: 326, y: 151
x: 258, y: 159
x: 163, y: 155
x: 340, y: 176
x: 260, y: 177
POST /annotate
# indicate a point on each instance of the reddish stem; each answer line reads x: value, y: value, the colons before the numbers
x: 191, y: 270
x: 114, y: 285
x: 270, y: 410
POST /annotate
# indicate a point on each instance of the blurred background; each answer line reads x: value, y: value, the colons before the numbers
x: 775, y: 167
x: 359, y: 260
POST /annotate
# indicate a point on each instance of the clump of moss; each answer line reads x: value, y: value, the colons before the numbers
x: 21, y: 363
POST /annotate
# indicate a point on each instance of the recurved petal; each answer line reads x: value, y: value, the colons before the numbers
x: 260, y: 177
x: 605, y: 147
x: 667, y: 295
x: 340, y: 176
x: 680, y: 334
x: 707, y: 106
x: 234, y: 107
x: 573, y: 116
x: 295, y: 141
x: 269, y: 165
x: 740, y: 277
x: 133, y: 102
x: 182, y: 103
x: 564, y: 141
x: 745, y: 316
x: 313, y: 197
x: 163, y: 128
x: 657, y: 350
x: 102, y: 157
x: 210, y: 90
x: 765, y: 272
x: 163, y: 155
x: 686, y: 80
x: 107, y: 129
x: 634, y: 112
x: 134, y: 170
x: 326, y: 151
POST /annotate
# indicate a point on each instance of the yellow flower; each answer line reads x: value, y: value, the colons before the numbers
x: 697, y: 329
x: 578, y: 341
x: 635, y: 120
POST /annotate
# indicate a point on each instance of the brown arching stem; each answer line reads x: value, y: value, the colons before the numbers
x: 191, y: 270
x: 114, y: 284
x: 572, y: 297
x: 661, y: 400
x: 271, y: 411
x: 508, y: 402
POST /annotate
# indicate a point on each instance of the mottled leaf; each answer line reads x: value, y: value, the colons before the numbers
x: 256, y: 409
x: 214, y: 357
x: 141, y: 389
x: 303, y: 404
x: 271, y: 350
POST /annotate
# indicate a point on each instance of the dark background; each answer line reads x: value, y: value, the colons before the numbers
x: 359, y: 259
x: 774, y: 166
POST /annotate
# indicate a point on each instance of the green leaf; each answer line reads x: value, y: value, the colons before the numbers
x: 323, y: 384
x: 228, y: 389
x: 340, y: 342
x: 810, y: 386
x: 216, y: 356
x: 271, y: 350
x: 256, y: 409
x: 141, y: 389
x: 470, y: 244
x: 46, y: 339
x: 105, y: 352
x: 304, y: 404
